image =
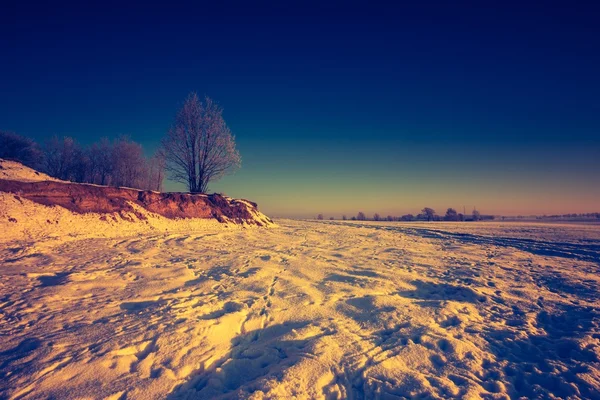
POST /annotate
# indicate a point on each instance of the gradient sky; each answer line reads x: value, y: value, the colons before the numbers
x: 336, y: 108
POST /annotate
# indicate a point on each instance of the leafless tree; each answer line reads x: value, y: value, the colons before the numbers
x: 155, y: 172
x: 476, y: 215
x: 129, y: 164
x: 80, y: 165
x: 100, y: 162
x: 376, y: 217
x: 199, y: 148
x: 117, y: 163
x: 19, y: 148
x: 320, y: 216
x: 390, y: 218
x: 64, y: 158
x: 428, y: 213
x: 344, y: 218
x: 451, y: 215
x: 361, y: 216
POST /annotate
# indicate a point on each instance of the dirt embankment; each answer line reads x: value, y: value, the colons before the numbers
x: 85, y: 198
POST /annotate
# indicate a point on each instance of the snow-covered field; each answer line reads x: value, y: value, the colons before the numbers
x: 305, y: 310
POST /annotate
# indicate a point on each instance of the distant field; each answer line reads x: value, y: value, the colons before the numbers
x: 583, y: 233
x: 310, y: 309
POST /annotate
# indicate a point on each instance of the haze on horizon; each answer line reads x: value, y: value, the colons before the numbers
x: 342, y: 110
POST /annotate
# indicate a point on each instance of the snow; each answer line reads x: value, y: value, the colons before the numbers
x: 24, y: 220
x: 13, y: 170
x: 306, y: 310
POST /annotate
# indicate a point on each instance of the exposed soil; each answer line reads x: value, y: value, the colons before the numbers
x: 84, y: 198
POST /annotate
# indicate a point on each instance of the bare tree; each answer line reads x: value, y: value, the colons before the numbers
x: 320, y: 216
x: 199, y: 148
x: 428, y: 213
x: 100, y: 162
x: 155, y: 172
x: 361, y: 216
x: 63, y: 158
x: 376, y: 217
x: 118, y: 163
x: 344, y: 218
x: 476, y: 215
x: 80, y: 165
x: 390, y: 218
x: 451, y: 215
x: 129, y: 164
x: 19, y: 148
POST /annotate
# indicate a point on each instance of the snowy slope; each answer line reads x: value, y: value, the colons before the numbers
x: 34, y: 206
x: 17, y: 171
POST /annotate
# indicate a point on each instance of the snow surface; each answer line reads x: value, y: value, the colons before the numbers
x: 25, y: 220
x: 13, y: 170
x: 306, y: 310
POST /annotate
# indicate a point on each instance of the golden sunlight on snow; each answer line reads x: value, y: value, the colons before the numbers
x: 311, y: 310
x: 16, y: 171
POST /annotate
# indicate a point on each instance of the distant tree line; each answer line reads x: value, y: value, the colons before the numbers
x: 427, y: 214
x: 570, y: 217
x: 120, y: 162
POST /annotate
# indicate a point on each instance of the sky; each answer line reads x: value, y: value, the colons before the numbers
x: 337, y: 107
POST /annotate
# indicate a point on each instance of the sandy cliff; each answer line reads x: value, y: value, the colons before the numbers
x: 32, y: 203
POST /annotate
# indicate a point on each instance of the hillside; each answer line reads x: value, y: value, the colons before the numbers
x: 12, y: 170
x: 34, y: 205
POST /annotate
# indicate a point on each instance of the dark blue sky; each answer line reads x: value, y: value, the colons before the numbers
x: 335, y: 107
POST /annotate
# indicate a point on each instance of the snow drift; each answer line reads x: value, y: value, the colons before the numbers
x: 13, y: 170
x: 34, y: 204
